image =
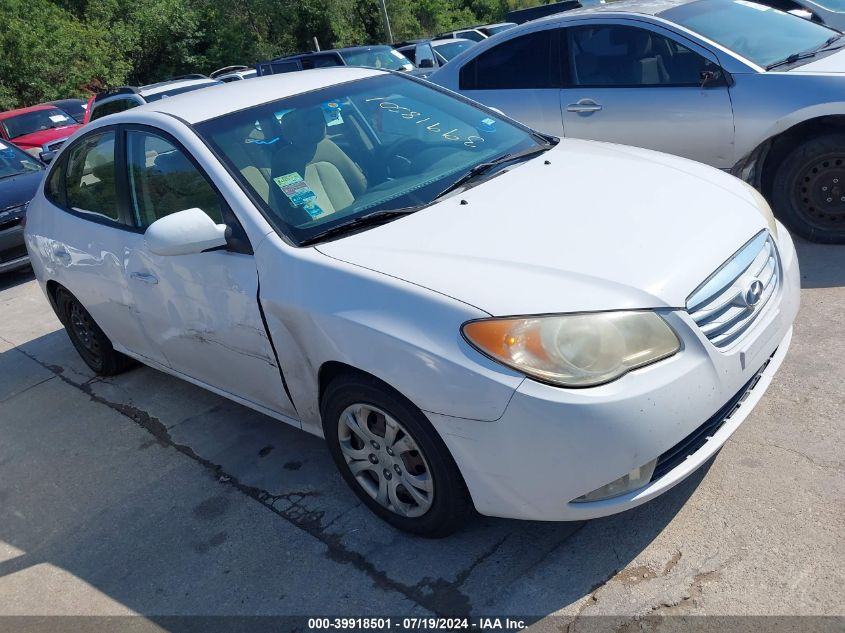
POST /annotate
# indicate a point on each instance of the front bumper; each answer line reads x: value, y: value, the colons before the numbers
x: 553, y: 445
x: 13, y: 253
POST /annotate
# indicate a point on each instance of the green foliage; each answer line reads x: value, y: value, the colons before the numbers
x: 51, y: 49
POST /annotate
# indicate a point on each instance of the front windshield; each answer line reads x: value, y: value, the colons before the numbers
x: 36, y: 121
x: 14, y: 162
x: 324, y: 158
x: 380, y: 57
x: 759, y: 33
x: 451, y: 49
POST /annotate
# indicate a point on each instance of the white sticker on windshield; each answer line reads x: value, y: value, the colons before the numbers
x: 3, y: 146
x: 299, y: 193
x: 58, y: 118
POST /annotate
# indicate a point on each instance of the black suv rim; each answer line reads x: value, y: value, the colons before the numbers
x: 821, y: 192
x: 83, y: 329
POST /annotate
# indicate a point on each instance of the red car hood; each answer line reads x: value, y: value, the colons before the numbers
x: 37, y: 139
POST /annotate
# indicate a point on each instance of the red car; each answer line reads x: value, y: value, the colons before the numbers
x: 37, y: 129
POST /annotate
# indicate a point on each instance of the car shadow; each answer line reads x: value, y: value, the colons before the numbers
x: 163, y: 497
x: 822, y: 265
x: 16, y: 278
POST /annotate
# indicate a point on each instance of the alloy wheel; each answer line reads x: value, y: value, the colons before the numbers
x: 83, y: 329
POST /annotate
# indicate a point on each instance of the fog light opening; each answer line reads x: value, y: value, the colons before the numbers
x: 635, y: 479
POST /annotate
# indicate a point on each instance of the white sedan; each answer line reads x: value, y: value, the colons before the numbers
x: 471, y: 313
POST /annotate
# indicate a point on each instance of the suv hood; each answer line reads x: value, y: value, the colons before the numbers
x: 600, y: 227
x: 37, y: 139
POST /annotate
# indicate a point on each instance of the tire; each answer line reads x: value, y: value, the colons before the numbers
x: 90, y: 341
x: 808, y: 192
x: 440, y: 502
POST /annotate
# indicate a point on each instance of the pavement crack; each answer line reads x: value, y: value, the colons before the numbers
x: 23, y: 391
x: 296, y: 513
x: 794, y: 451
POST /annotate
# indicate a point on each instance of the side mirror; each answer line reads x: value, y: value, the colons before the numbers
x: 426, y: 63
x: 184, y: 233
x: 47, y: 157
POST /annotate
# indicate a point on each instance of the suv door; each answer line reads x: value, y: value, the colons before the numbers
x: 91, y: 233
x: 641, y: 86
x: 520, y: 77
x: 202, y: 309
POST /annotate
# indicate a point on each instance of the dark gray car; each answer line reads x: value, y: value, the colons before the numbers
x: 20, y: 176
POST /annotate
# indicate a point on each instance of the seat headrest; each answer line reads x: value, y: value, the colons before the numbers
x: 637, y: 41
x: 304, y: 127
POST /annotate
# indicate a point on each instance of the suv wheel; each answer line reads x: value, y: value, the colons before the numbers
x: 808, y: 193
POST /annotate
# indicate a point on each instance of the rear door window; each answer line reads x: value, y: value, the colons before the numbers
x: 91, y: 177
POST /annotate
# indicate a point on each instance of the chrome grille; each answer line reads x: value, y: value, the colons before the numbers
x: 727, y: 304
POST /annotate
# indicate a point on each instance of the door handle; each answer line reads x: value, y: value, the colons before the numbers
x: 147, y: 278
x: 584, y: 106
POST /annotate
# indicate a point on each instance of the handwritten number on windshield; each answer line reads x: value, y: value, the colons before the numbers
x: 470, y: 141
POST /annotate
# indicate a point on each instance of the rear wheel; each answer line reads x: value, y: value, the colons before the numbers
x: 808, y: 193
x: 90, y: 341
x: 392, y: 458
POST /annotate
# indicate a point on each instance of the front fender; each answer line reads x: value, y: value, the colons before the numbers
x: 319, y: 309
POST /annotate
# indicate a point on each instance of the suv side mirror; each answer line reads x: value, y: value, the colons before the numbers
x: 184, y: 233
x: 426, y: 63
x: 47, y: 157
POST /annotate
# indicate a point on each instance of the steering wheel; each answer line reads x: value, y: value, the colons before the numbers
x: 403, y: 156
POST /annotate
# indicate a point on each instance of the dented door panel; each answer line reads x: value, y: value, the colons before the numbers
x: 202, y: 311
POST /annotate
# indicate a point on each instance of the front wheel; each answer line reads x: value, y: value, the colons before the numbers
x: 808, y: 193
x: 392, y: 458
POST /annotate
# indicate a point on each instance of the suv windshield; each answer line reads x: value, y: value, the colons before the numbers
x: 759, y: 33
x: 326, y: 158
x: 377, y: 57
x: 14, y: 162
x: 36, y: 121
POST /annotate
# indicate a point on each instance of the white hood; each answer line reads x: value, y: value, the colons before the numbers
x: 601, y: 227
x: 830, y: 64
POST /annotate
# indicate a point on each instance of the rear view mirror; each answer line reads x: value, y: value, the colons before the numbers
x: 184, y: 233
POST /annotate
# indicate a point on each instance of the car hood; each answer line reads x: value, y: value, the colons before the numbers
x: 599, y: 227
x: 37, y: 139
x: 18, y: 190
x: 831, y: 64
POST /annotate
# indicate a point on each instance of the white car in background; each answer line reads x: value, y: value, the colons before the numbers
x: 461, y: 306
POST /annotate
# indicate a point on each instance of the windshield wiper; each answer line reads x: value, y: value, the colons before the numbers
x: 797, y: 57
x: 370, y: 219
x: 482, y: 168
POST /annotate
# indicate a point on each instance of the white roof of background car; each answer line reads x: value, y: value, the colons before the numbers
x: 164, y: 86
x: 642, y: 7
x: 446, y: 42
x: 215, y: 101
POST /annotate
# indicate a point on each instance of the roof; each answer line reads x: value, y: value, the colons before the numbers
x: 10, y: 113
x: 201, y: 105
x: 642, y: 7
x: 345, y: 49
x: 451, y: 40
x: 164, y: 86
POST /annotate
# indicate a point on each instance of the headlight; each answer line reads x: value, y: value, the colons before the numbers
x: 575, y: 350
x: 764, y: 209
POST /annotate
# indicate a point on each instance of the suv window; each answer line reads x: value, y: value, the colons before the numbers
x: 162, y: 180
x: 619, y: 56
x: 112, y: 107
x: 520, y: 63
x: 90, y: 176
